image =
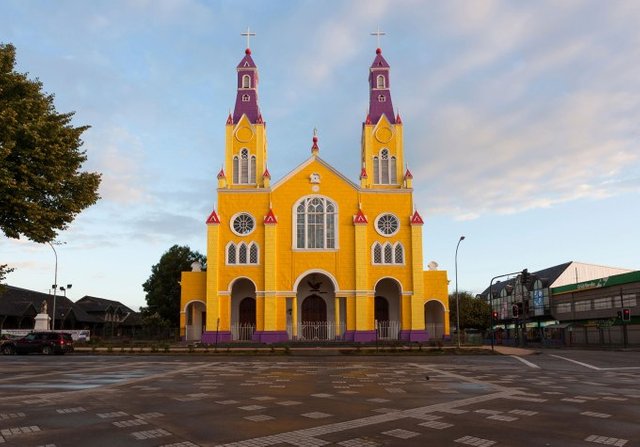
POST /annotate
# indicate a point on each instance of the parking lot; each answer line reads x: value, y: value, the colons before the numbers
x: 557, y: 398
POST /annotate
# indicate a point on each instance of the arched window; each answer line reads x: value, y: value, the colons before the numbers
x: 245, y: 168
x: 236, y: 169
x: 392, y: 171
x: 377, y: 253
x: 384, y: 169
x: 380, y: 82
x: 387, y: 253
x: 315, y: 223
x: 242, y: 253
x: 231, y: 253
x: 253, y: 253
x: 376, y: 170
x: 245, y: 98
x: 399, y: 254
x: 246, y: 81
x: 382, y: 98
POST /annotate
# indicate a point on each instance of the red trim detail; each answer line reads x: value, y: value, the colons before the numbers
x: 416, y: 219
x: 213, y: 218
x: 266, y: 174
x: 363, y: 173
x: 368, y: 120
x: 270, y: 218
x: 398, y: 120
x: 221, y: 174
x: 259, y: 119
x: 229, y: 119
x: 360, y: 218
x: 247, y: 51
x: 408, y: 174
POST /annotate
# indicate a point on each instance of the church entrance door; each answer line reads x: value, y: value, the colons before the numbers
x: 314, y: 318
x: 381, y: 315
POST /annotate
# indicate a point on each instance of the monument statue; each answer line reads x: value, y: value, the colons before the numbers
x: 43, y: 307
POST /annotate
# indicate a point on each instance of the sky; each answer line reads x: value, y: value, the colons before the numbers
x: 521, y: 123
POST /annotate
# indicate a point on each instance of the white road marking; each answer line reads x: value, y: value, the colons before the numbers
x: 526, y: 362
x: 586, y: 365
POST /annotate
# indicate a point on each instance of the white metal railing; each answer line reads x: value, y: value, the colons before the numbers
x: 435, y: 330
x: 317, y: 330
x: 242, y: 331
x: 388, y: 330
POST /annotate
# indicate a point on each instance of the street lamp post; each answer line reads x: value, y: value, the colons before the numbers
x: 55, y: 283
x: 55, y: 287
x: 457, y: 300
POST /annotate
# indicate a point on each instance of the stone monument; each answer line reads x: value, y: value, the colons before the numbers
x: 43, y: 318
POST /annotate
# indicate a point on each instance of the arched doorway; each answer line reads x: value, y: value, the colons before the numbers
x: 195, y: 313
x: 243, y: 309
x: 381, y: 315
x: 387, y: 308
x: 316, y: 308
x: 434, y: 319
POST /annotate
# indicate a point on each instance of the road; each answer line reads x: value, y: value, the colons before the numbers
x: 557, y: 398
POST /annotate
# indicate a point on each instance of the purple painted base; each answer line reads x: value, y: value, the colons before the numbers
x: 360, y: 336
x: 209, y: 337
x: 270, y: 336
x: 446, y: 338
x: 414, y: 335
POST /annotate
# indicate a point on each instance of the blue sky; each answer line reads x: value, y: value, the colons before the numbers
x: 520, y: 121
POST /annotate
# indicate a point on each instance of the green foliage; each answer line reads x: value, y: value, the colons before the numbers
x: 41, y: 185
x: 163, y: 286
x: 475, y: 312
x: 4, y: 271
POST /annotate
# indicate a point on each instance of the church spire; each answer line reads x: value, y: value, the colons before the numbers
x: 247, y: 96
x: 379, y: 91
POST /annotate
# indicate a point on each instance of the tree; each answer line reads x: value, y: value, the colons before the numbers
x: 163, y: 286
x: 41, y: 185
x: 4, y: 271
x: 475, y: 312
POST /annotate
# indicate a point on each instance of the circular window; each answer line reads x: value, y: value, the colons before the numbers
x: 387, y: 224
x: 242, y: 224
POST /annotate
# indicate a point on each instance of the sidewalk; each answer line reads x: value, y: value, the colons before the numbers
x: 508, y: 350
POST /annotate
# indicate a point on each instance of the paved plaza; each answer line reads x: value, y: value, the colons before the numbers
x: 556, y: 398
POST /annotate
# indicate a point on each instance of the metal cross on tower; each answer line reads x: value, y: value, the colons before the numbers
x: 248, y: 34
x: 378, y: 33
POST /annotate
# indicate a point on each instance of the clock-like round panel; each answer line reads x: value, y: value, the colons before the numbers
x: 244, y: 134
x: 384, y: 134
x: 243, y: 224
x: 387, y: 224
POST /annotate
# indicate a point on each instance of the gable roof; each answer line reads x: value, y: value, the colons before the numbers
x: 307, y: 162
x: 15, y: 301
x: 95, y: 304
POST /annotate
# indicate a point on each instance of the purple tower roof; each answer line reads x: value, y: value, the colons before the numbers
x: 247, y: 97
x: 379, y: 90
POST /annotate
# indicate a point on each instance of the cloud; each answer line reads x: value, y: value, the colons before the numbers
x: 118, y: 155
x: 543, y: 119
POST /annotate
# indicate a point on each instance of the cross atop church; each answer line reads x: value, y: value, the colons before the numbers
x: 248, y: 34
x: 378, y: 33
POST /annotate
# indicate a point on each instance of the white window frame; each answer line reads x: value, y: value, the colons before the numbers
x: 235, y: 248
x: 385, y: 168
x: 325, y: 224
x: 380, y: 216
x: 244, y: 168
x: 233, y: 218
x: 384, y: 248
x: 246, y: 81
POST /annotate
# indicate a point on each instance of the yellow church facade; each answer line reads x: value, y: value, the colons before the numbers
x: 314, y: 255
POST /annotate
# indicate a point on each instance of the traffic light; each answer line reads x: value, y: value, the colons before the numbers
x: 626, y: 314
